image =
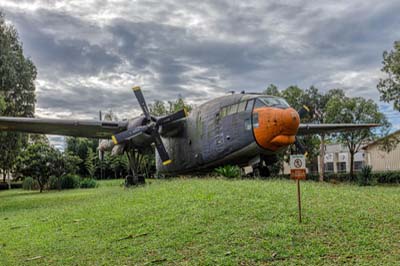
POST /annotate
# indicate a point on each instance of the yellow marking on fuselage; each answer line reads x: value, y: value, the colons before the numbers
x: 167, y: 162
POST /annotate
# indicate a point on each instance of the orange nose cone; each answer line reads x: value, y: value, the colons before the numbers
x: 277, y: 127
x: 290, y: 121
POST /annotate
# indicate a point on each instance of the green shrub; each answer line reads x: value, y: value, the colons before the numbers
x: 88, y: 183
x: 54, y: 182
x: 388, y: 177
x: 70, y: 181
x: 30, y: 184
x: 229, y: 171
x: 365, y: 177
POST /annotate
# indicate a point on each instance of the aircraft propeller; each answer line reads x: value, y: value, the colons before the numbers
x: 151, y: 127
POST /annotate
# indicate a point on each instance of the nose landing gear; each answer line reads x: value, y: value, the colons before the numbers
x: 262, y: 170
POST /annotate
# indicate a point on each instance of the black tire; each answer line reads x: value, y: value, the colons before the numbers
x: 264, y: 172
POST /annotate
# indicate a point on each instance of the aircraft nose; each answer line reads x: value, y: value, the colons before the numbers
x: 277, y: 127
x: 290, y: 120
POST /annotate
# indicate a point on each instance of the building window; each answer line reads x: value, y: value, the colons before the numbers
x: 341, y: 167
x: 358, y: 166
x: 328, y: 167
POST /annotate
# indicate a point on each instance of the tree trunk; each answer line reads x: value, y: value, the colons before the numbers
x: 352, y: 165
x: 322, y: 158
x: 9, y: 180
x: 41, y: 185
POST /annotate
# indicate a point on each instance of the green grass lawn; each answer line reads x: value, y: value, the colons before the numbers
x: 202, y: 222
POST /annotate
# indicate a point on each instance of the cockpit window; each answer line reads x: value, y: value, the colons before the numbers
x: 271, y: 102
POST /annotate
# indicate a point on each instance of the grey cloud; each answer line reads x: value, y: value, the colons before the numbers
x: 60, y: 55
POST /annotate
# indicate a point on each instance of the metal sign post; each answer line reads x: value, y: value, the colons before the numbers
x: 298, y: 172
x: 299, y: 198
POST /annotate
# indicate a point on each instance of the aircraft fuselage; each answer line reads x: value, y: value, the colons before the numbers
x: 231, y: 129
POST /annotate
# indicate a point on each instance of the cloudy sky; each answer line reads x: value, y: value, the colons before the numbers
x: 89, y: 53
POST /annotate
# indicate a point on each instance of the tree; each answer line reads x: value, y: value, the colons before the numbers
x: 318, y: 102
x: 354, y: 110
x: 80, y: 147
x: 297, y: 98
x: 272, y: 90
x: 158, y: 108
x: 39, y: 161
x: 119, y: 165
x: 179, y: 104
x: 17, y: 90
x: 389, y: 87
x: 90, y: 163
x: 294, y: 96
x: 71, y: 163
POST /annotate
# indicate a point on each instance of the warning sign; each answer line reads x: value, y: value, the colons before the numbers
x: 297, y: 162
x: 297, y: 167
x: 298, y: 172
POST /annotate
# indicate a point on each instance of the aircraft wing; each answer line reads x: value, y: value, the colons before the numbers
x: 308, y: 129
x: 76, y: 128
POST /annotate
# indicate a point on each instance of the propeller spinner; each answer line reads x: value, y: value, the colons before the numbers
x: 151, y: 127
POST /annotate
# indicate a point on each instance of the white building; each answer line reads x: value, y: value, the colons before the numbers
x: 337, y: 159
x: 381, y: 160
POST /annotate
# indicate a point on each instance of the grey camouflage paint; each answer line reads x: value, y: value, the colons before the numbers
x: 207, y: 140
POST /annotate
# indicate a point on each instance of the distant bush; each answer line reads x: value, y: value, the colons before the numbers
x: 70, y: 181
x: 30, y: 184
x: 54, y: 182
x: 392, y: 177
x: 387, y: 177
x: 365, y: 177
x: 88, y: 183
x: 229, y: 171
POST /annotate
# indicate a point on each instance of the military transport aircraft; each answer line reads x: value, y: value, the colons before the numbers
x: 243, y: 129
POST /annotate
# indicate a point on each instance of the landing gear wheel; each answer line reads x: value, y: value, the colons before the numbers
x: 264, y: 172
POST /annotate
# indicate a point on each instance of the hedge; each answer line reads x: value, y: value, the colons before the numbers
x: 388, y: 177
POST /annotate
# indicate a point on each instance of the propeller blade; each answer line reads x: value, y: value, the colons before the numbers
x: 161, y: 148
x: 142, y: 101
x: 173, y: 117
x: 303, y: 111
x: 128, y: 134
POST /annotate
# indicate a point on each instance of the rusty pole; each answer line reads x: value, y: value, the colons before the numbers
x: 299, y: 198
